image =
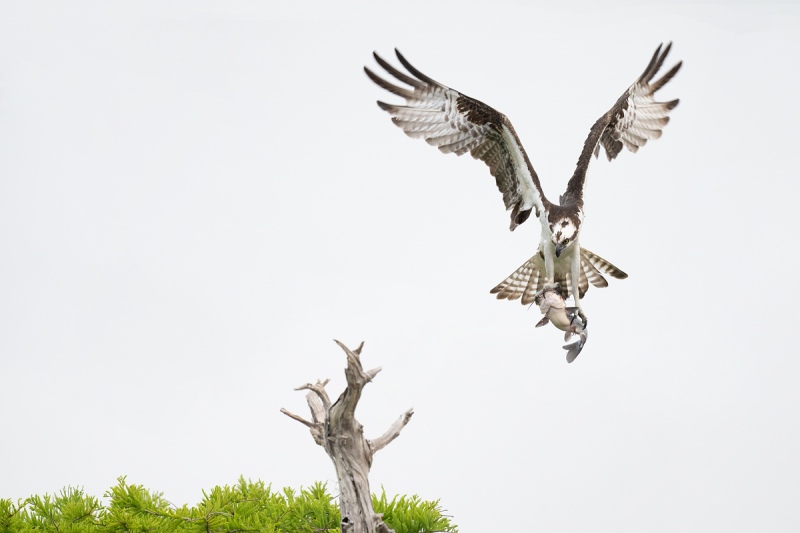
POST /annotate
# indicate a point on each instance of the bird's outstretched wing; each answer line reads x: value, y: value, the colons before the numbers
x: 456, y: 123
x: 529, y: 278
x: 634, y: 119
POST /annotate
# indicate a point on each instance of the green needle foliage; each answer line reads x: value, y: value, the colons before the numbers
x: 245, y: 507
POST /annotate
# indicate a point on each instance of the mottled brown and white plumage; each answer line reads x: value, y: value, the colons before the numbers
x: 529, y: 279
x: 456, y: 123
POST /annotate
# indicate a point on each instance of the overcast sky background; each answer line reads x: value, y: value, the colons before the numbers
x: 196, y: 197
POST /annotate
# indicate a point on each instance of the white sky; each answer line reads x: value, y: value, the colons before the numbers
x: 196, y: 197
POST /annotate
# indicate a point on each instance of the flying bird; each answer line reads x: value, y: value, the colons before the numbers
x: 456, y: 123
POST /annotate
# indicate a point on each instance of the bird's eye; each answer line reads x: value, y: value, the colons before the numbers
x: 566, y: 241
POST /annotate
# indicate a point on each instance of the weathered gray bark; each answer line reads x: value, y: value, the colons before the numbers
x: 335, y: 428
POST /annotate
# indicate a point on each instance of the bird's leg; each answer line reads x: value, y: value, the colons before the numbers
x: 575, y: 274
x: 583, y: 318
x: 549, y: 270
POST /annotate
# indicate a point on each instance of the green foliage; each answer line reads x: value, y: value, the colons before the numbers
x: 70, y: 511
x: 411, y: 515
x: 245, y: 507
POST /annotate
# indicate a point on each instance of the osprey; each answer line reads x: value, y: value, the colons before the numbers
x: 456, y: 123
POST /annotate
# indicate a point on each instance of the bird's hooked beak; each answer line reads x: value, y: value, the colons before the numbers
x: 560, y: 248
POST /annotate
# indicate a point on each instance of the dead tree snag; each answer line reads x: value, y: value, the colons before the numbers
x: 335, y: 428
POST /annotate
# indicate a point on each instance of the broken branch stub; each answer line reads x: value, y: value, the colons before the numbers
x: 335, y: 428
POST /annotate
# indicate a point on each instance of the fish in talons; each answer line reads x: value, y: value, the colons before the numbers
x: 567, y: 319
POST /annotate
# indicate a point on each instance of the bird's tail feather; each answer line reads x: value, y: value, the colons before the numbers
x: 530, y: 277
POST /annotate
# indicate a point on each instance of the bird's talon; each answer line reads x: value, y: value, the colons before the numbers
x: 550, y: 287
x: 538, y: 296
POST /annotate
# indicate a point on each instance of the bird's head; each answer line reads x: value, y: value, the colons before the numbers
x: 565, y: 232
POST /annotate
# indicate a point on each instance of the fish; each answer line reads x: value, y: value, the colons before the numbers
x: 567, y: 319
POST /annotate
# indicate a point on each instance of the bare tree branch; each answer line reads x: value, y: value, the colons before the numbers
x: 298, y: 418
x: 392, y: 433
x: 318, y: 388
